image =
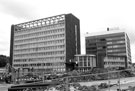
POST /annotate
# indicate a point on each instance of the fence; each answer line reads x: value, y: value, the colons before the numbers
x: 63, y: 80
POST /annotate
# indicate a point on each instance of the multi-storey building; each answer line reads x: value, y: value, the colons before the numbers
x: 115, y: 61
x: 85, y: 62
x: 108, y: 43
x: 45, y: 44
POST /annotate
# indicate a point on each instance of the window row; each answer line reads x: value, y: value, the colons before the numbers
x: 84, y: 69
x: 116, y: 38
x: 29, y: 35
x: 91, y: 40
x: 40, y: 44
x: 119, y: 54
x: 84, y: 58
x: 40, y: 38
x: 91, y: 63
x: 116, y: 46
x: 39, y: 54
x: 40, y: 59
x: 116, y: 50
x: 114, y: 63
x: 40, y: 64
x: 114, y: 42
x: 40, y: 49
x: 116, y: 58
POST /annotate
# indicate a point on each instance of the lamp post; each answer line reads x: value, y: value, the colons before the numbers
x: 108, y: 73
x: 76, y: 65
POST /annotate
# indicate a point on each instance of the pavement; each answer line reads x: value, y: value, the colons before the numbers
x: 112, y: 81
x: 122, y: 86
x: 124, y: 83
x: 4, y: 86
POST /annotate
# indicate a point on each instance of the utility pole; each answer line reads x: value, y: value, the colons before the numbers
x: 119, y: 79
x: 108, y: 77
x: 67, y: 88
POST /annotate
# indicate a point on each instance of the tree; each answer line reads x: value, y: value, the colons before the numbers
x: 74, y: 73
x: 3, y: 60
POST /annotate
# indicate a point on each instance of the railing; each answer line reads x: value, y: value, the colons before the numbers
x: 39, y: 82
x: 38, y: 76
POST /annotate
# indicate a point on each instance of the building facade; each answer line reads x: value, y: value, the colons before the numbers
x: 85, y: 62
x: 115, y: 62
x: 108, y: 43
x: 45, y: 44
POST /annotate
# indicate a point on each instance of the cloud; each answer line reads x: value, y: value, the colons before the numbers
x: 18, y: 9
x: 4, y: 48
x: 131, y: 34
x: 131, y: 37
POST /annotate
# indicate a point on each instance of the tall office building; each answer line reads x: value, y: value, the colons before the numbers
x: 115, y: 43
x: 45, y: 44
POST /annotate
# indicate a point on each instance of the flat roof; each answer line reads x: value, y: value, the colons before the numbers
x: 104, y: 33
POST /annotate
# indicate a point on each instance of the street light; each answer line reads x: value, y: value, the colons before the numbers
x: 76, y: 65
x: 119, y: 79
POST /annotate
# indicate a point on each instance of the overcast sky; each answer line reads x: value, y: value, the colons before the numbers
x: 94, y: 15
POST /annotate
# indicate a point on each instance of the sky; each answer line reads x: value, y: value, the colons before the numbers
x: 94, y: 15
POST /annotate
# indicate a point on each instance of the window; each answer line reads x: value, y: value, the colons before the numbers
x: 109, y: 42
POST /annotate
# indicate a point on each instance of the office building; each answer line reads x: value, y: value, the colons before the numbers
x: 45, y: 44
x: 85, y: 62
x: 115, y: 62
x: 113, y: 42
